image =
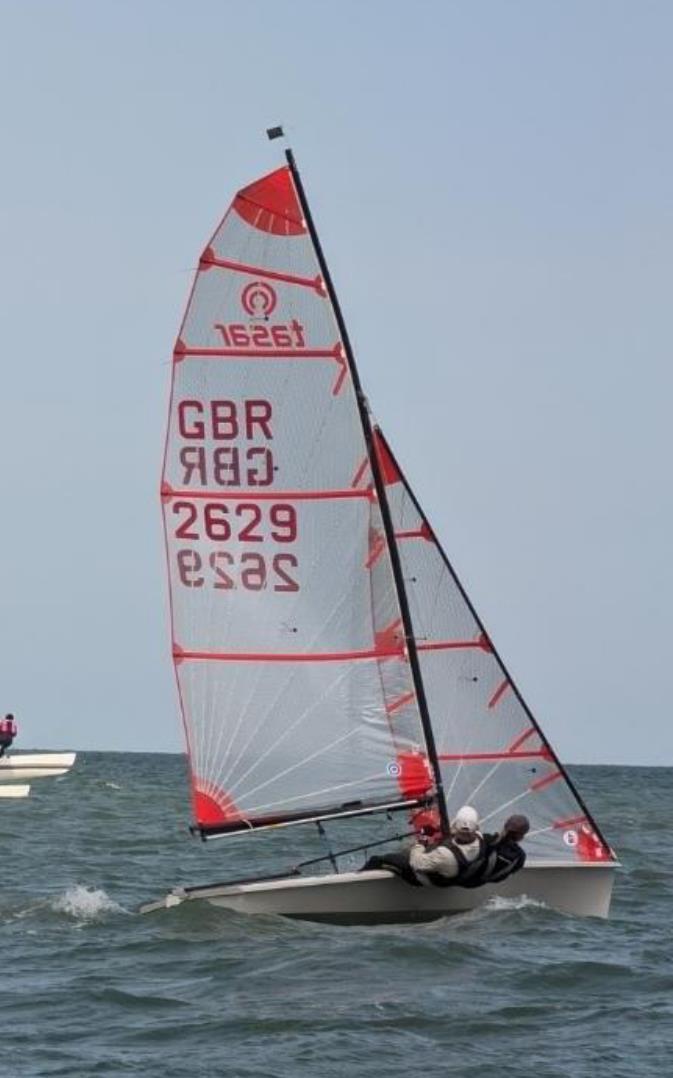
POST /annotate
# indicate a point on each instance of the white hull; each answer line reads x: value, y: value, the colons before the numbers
x: 378, y: 897
x: 14, y: 791
x: 35, y: 765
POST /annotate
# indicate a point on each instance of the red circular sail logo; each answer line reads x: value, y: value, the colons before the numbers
x: 259, y: 299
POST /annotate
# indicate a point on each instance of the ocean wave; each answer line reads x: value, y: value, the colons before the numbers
x: 518, y: 902
x: 85, y: 903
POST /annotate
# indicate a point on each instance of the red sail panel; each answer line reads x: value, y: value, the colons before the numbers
x: 493, y: 754
x: 283, y: 601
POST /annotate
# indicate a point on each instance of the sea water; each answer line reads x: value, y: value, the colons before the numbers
x: 512, y: 990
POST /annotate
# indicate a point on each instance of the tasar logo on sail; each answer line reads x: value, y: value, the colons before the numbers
x: 259, y: 301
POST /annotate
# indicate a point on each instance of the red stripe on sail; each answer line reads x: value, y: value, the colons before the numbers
x: 377, y: 545
x: 472, y: 757
x: 341, y: 360
x: 400, y: 703
x: 561, y: 825
x: 209, y: 259
x: 540, y: 784
x: 182, y: 351
x: 271, y: 205
x: 181, y: 654
x: 424, y: 532
x: 362, y: 468
x: 499, y: 692
x: 448, y: 645
x: 388, y: 467
x: 168, y: 492
x: 390, y: 639
x: 521, y: 738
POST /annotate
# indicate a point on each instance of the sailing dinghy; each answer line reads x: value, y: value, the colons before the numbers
x: 329, y: 663
x: 35, y: 765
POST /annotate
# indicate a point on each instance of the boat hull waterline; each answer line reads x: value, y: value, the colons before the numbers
x: 378, y: 897
x: 36, y: 765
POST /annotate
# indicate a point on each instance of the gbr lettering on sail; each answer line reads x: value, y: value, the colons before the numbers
x: 225, y: 445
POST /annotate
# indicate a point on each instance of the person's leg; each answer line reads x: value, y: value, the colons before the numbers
x: 371, y: 863
x: 399, y: 864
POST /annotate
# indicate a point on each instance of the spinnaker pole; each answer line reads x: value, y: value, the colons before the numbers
x: 379, y: 486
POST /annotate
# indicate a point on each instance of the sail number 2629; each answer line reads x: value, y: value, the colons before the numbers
x: 236, y: 523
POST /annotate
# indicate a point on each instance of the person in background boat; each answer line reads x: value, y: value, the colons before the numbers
x: 7, y: 732
x: 505, y: 855
x: 443, y: 863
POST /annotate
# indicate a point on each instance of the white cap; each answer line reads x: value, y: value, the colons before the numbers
x: 466, y: 819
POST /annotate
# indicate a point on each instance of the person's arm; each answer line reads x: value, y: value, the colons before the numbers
x: 438, y: 860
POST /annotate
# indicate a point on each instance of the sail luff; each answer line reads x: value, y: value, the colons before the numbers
x: 549, y: 750
x: 379, y: 485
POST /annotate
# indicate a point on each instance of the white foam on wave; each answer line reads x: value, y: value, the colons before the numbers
x: 518, y: 902
x: 112, y: 785
x: 85, y: 903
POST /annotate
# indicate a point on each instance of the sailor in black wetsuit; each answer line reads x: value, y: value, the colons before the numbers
x: 504, y: 854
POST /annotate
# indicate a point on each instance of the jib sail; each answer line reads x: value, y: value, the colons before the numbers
x: 295, y: 689
x: 492, y: 752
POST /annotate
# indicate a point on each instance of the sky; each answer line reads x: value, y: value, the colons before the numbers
x: 493, y: 187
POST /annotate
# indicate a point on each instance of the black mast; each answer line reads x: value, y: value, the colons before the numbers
x: 382, y: 499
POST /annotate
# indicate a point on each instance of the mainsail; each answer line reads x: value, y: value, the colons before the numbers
x: 288, y: 637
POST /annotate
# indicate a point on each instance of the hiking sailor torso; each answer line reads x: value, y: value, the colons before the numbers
x: 454, y: 859
x: 504, y: 855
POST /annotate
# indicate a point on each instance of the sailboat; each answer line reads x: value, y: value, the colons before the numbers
x: 329, y: 662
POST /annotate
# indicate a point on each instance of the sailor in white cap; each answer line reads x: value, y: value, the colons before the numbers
x: 456, y: 858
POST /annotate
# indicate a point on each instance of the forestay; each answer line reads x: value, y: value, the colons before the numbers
x: 295, y: 690
x: 492, y: 752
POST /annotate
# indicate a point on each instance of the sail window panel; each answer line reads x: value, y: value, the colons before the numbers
x: 274, y: 738
x: 403, y: 512
x: 383, y: 594
x: 274, y: 576
x: 459, y: 685
x: 439, y: 611
x: 266, y: 424
x: 237, y: 240
x: 231, y: 309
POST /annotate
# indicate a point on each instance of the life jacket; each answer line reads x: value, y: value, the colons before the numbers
x: 466, y: 869
x: 7, y: 728
x: 502, y: 859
